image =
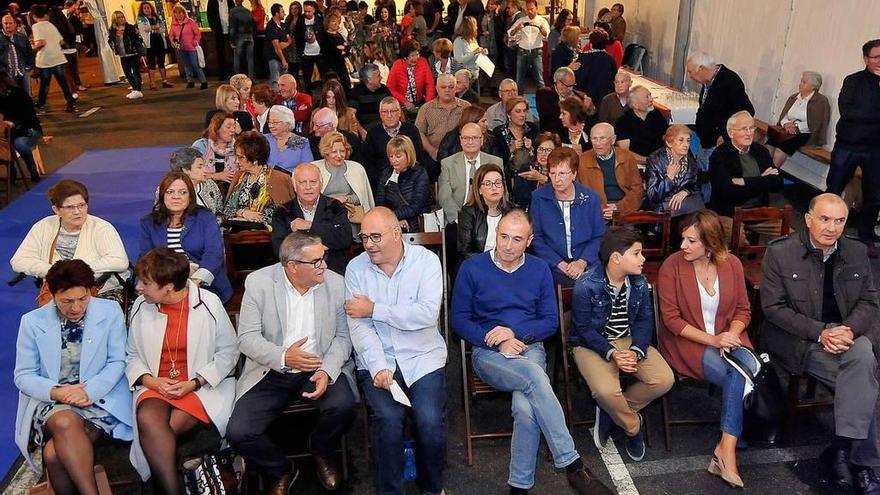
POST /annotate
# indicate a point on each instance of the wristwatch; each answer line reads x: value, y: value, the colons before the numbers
x: 198, y: 384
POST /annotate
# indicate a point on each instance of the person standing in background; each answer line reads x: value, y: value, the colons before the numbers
x: 218, y: 20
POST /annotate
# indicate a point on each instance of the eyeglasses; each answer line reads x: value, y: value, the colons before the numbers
x: 544, y: 149
x: 569, y: 86
x: 749, y: 128
x: 497, y: 184
x: 275, y: 122
x: 80, y: 206
x: 323, y: 124
x: 376, y: 237
x: 390, y: 112
x: 315, y: 263
x: 471, y: 138
x: 176, y: 192
x: 560, y: 173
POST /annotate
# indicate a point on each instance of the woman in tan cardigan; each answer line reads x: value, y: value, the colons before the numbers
x: 705, y: 312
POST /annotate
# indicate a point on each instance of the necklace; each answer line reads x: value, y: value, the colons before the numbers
x: 706, y: 277
x: 174, y: 372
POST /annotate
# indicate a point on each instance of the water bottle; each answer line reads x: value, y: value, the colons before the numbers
x: 409, y: 456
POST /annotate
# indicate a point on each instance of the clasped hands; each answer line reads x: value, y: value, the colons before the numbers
x: 72, y: 394
x: 168, y: 387
x: 837, y: 340
x: 505, y: 339
x: 573, y: 269
x: 626, y: 360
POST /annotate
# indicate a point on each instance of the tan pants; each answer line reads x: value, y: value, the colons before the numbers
x: 654, y: 378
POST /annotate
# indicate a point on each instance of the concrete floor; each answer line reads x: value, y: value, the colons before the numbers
x: 175, y: 116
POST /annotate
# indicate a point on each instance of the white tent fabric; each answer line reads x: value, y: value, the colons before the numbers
x: 109, y: 62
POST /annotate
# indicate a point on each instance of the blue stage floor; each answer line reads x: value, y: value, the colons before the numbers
x: 121, y: 183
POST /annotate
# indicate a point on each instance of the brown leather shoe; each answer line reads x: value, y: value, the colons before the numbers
x: 328, y: 473
x: 284, y: 485
x: 583, y: 482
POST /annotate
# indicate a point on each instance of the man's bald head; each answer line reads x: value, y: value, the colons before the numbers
x: 826, y: 198
x: 380, y: 218
x: 287, y: 86
x: 826, y: 220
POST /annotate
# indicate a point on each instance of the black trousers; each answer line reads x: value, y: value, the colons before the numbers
x: 221, y: 40
x: 843, y: 165
x: 261, y: 406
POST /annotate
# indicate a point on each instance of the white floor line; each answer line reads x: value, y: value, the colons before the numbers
x: 620, y: 476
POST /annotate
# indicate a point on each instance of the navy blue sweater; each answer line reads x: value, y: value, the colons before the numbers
x: 486, y: 296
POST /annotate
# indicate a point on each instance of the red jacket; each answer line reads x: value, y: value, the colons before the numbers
x: 397, y: 81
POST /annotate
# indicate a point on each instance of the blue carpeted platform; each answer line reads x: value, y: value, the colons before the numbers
x: 121, y: 185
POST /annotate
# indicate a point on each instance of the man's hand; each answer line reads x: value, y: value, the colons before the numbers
x: 626, y: 360
x: 791, y: 128
x: 498, y: 335
x: 321, y: 379
x: 300, y: 224
x: 770, y: 171
x: 738, y: 181
x: 609, y: 210
x: 298, y: 359
x: 512, y: 346
x: 359, y: 306
x: 383, y: 379
x: 837, y: 340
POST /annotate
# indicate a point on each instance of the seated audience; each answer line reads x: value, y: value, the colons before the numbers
x: 333, y: 97
x: 67, y: 399
x: 299, y: 102
x: 393, y: 299
x: 313, y: 213
x: 242, y: 83
x: 301, y: 353
x: 514, y: 142
x: 18, y: 109
x: 217, y: 146
x: 526, y: 181
x: 391, y: 124
x: 496, y: 114
x: 325, y: 121
x: 263, y: 97
x: 286, y: 148
x: 612, y: 329
x: 451, y: 143
x: 615, y: 103
x: 71, y: 233
x: 804, y: 119
x: 366, y: 96
x: 611, y: 172
x: 403, y: 186
x: 344, y: 180
x: 180, y: 384
x: 227, y: 99
x: 515, y: 322
x: 547, y: 100
x: 566, y: 54
x: 742, y: 174
x: 256, y: 188
x: 673, y: 175
x: 827, y: 333
x: 457, y: 171
x: 179, y: 224
x: 478, y: 218
x: 641, y: 128
x: 410, y: 79
x: 705, y: 311
x: 463, y: 89
x: 436, y: 118
x: 191, y: 162
x: 567, y: 218
x: 595, y: 76
x: 574, y: 120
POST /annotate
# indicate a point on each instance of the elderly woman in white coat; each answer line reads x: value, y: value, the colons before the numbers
x: 344, y: 180
x: 69, y: 370
x: 181, y: 352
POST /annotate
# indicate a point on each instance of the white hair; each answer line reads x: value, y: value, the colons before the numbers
x: 330, y: 115
x: 445, y: 77
x: 702, y: 59
x: 814, y: 78
x: 631, y: 96
x: 283, y: 114
x: 562, y: 72
x: 731, y: 122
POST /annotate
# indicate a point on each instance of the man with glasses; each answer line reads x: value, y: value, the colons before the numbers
x: 496, y: 114
x: 293, y: 332
x: 742, y: 174
x: 390, y: 125
x: 858, y: 141
x: 457, y: 172
x: 393, y: 293
x: 325, y: 121
x: 612, y: 172
x: 313, y: 213
x: 547, y: 101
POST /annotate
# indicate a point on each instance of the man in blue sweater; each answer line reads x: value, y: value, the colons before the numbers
x: 613, y: 324
x: 506, y: 328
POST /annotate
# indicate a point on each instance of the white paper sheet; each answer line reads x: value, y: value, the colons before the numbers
x: 398, y: 394
x: 486, y: 65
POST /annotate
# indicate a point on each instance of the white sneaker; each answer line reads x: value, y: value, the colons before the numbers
x: 136, y: 95
x: 130, y: 95
x: 75, y: 96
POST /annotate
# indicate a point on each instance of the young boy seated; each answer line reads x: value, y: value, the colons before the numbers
x: 613, y: 320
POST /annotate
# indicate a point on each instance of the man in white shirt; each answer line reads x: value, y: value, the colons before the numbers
x: 531, y: 31
x: 293, y: 331
x: 50, y: 59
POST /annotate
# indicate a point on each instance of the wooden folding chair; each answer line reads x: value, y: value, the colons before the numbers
x: 9, y: 159
x: 473, y: 387
x: 435, y: 241
x: 258, y: 240
x: 653, y: 225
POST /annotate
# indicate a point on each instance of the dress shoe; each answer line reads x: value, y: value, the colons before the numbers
x: 837, y: 471
x: 867, y: 481
x: 190, y: 85
x: 583, y: 482
x: 329, y: 474
x: 602, y: 428
x: 717, y: 467
x: 285, y: 484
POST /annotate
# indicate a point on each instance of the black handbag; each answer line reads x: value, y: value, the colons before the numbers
x: 764, y: 406
x: 217, y: 473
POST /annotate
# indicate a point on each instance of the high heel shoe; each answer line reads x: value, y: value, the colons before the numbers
x: 716, y: 467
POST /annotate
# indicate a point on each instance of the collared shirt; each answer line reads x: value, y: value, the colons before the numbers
x: 299, y: 321
x: 825, y: 255
x: 224, y: 15
x: 797, y: 113
x: 519, y: 264
x: 307, y: 213
x: 617, y: 326
x: 467, y: 171
x: 531, y: 38
x: 708, y: 85
x: 402, y: 331
x: 434, y: 121
x: 392, y: 132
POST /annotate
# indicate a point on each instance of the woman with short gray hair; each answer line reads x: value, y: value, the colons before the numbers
x: 803, y: 121
x: 286, y: 149
x: 191, y: 162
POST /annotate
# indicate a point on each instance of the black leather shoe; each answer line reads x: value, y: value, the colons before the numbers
x: 836, y: 465
x: 867, y: 481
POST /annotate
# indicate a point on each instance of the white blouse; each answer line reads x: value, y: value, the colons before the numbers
x: 491, y: 227
x: 709, y: 305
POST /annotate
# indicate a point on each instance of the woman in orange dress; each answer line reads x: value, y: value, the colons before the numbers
x: 181, y: 350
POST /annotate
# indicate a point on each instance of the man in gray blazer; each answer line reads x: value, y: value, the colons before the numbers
x: 457, y: 171
x: 294, y: 333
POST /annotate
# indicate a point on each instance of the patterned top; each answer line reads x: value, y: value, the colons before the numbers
x: 618, y: 323
x: 251, y: 189
x: 65, y: 246
x: 174, y: 239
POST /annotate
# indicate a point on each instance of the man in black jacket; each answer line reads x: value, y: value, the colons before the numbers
x: 858, y: 141
x: 313, y: 213
x: 820, y: 308
x: 218, y: 21
x: 241, y: 37
x: 16, y: 54
x: 366, y: 96
x: 722, y: 94
x: 306, y: 36
x: 374, y: 154
x: 458, y: 10
x: 742, y: 174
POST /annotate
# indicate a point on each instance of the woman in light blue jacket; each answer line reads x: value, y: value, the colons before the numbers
x: 70, y: 373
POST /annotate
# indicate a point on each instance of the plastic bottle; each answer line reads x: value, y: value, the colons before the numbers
x: 409, y: 466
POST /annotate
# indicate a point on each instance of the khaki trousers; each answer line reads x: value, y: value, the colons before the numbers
x: 653, y: 379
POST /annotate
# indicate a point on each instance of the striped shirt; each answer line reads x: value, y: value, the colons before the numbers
x: 174, y: 239
x: 617, y: 326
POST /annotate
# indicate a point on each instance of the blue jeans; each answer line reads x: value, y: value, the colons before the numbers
x: 24, y: 81
x: 46, y: 79
x: 131, y: 66
x: 190, y: 60
x: 529, y: 60
x: 244, y: 47
x: 718, y: 372
x: 387, y: 419
x: 25, y: 145
x: 535, y: 408
x: 275, y: 71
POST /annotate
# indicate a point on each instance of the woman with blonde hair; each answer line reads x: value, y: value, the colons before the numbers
x: 404, y: 186
x: 344, y: 180
x: 126, y: 43
x: 228, y: 99
x: 465, y: 48
x: 242, y: 83
x: 566, y: 52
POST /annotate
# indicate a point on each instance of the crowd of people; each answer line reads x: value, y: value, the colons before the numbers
x: 372, y: 126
